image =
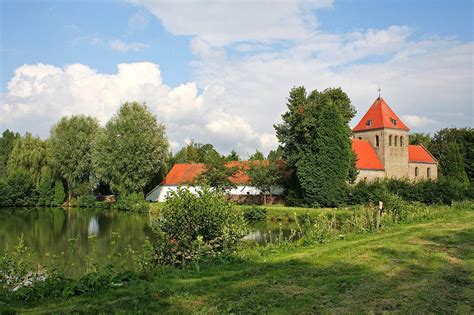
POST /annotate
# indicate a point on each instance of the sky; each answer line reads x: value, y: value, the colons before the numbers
x: 219, y: 72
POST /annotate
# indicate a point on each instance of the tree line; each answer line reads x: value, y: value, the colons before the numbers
x: 130, y: 155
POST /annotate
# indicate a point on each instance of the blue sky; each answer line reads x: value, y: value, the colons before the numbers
x: 219, y: 73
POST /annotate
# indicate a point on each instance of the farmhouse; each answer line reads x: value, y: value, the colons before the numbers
x: 380, y: 142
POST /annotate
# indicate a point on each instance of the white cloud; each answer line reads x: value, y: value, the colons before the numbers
x: 220, y: 22
x: 39, y: 95
x: 138, y: 21
x: 417, y: 121
x: 119, y: 45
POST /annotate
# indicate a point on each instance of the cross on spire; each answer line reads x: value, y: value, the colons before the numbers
x: 379, y: 89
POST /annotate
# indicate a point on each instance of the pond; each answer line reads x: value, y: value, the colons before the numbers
x: 83, y: 236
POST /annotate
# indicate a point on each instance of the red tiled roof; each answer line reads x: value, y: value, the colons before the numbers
x: 181, y: 174
x: 418, y: 153
x: 366, y: 157
x: 380, y: 116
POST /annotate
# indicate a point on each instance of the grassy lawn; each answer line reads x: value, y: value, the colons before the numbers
x: 419, y: 268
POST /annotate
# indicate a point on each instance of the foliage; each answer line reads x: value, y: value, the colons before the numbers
x: 255, y: 214
x: 59, y: 193
x: 420, y: 138
x: 324, y: 167
x: 16, y: 268
x: 193, y: 227
x: 442, y: 191
x: 257, y: 156
x: 451, y: 163
x: 464, y: 138
x: 217, y: 174
x: 195, y: 153
x: 296, y: 132
x: 18, y: 189
x: 233, y: 156
x: 133, y: 202
x: 6, y: 145
x: 46, y: 188
x: 131, y: 150
x: 275, y: 155
x: 264, y: 175
x: 28, y: 155
x: 71, y: 150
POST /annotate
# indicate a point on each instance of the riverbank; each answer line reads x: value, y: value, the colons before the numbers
x: 426, y: 267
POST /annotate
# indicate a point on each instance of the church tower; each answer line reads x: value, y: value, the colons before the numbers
x: 388, y: 135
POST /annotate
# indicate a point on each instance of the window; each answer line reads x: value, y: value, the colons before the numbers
x: 377, y: 141
x: 428, y: 172
x: 390, y: 140
x: 360, y: 138
x: 416, y: 171
x: 401, y: 141
x: 396, y: 140
x: 368, y: 123
x: 394, y: 121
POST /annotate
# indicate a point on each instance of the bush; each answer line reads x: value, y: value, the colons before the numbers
x: 18, y: 190
x: 59, y: 193
x: 86, y: 201
x: 134, y: 202
x: 194, y: 227
x: 255, y: 214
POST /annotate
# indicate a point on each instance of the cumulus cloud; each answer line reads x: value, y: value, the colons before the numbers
x: 417, y: 121
x: 121, y: 46
x: 221, y: 23
x: 38, y: 95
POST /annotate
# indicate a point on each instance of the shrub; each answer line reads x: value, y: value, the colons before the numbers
x: 321, y: 230
x: 86, y: 201
x: 197, y: 227
x: 18, y: 190
x: 134, y: 202
x: 255, y: 214
x: 365, y: 192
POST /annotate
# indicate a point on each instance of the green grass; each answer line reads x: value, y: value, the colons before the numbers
x: 418, y: 268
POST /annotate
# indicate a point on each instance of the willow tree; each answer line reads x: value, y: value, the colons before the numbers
x: 72, y: 139
x: 29, y: 156
x: 131, y: 149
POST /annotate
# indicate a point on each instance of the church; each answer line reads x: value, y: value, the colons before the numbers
x: 380, y: 141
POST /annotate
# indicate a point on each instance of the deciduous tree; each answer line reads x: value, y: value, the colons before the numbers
x: 131, y: 149
x: 72, y: 140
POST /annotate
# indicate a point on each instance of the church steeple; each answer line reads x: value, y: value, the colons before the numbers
x: 379, y: 116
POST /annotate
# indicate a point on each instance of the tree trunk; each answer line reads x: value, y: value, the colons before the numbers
x: 265, y: 199
x: 69, y: 193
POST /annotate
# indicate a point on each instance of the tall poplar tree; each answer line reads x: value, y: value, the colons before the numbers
x: 324, y: 167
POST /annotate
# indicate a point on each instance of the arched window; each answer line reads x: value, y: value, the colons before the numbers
x: 428, y: 172
x: 390, y: 140
x: 377, y: 141
x: 401, y: 141
x: 416, y: 171
x: 396, y: 140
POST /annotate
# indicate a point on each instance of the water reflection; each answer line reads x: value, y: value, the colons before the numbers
x: 93, y: 228
x: 65, y: 235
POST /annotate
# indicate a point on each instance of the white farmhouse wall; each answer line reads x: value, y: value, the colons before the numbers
x: 160, y: 192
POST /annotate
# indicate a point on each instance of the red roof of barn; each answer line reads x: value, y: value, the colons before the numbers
x: 366, y: 157
x: 419, y: 154
x: 181, y: 174
x: 380, y: 115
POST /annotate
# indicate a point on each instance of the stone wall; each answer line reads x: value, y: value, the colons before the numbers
x: 370, y: 175
x: 423, y: 171
x: 392, y: 152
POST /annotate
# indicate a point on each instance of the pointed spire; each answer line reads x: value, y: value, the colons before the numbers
x: 379, y: 89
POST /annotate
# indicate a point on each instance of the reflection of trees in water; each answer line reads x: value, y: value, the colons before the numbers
x: 49, y: 231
